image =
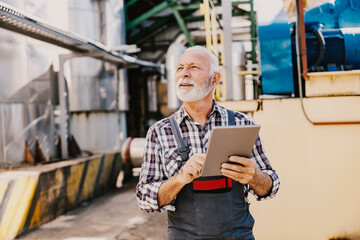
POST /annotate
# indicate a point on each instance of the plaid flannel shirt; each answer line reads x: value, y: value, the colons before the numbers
x: 161, y: 160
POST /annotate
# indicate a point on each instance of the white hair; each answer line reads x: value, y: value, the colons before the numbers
x: 214, y: 61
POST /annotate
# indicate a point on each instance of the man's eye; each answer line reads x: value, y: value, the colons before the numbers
x: 194, y: 67
x: 179, y: 68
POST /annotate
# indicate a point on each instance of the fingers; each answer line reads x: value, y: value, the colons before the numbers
x: 242, y: 172
x: 196, y: 165
x: 234, y: 167
x: 199, y: 157
x: 193, y: 167
x: 197, y: 160
x: 242, y: 160
x: 240, y: 177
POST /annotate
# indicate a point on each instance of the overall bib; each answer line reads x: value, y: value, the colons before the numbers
x: 209, y: 207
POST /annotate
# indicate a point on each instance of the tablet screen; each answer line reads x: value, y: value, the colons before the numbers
x: 228, y: 141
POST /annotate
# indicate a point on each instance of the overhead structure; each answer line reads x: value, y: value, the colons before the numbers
x: 233, y: 87
x: 148, y: 19
x: 17, y: 21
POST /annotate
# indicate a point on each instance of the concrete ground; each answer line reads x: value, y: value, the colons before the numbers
x: 115, y: 215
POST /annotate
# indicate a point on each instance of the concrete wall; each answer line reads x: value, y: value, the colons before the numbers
x: 32, y: 196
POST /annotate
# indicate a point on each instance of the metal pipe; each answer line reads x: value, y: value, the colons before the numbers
x: 253, y: 32
x: 158, y: 8
x: 182, y: 25
x: 238, y: 64
x: 3, y: 138
x: 215, y: 16
x: 123, y: 77
x: 301, y: 29
x: 117, y: 84
x: 116, y: 37
x: 321, y: 44
x: 227, y: 14
x: 152, y: 96
x: 222, y: 61
x: 131, y: 2
x: 63, y: 107
x: 298, y: 58
x: 172, y: 56
x: 18, y: 21
x: 132, y: 151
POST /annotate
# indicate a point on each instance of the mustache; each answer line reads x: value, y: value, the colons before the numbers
x: 185, y: 81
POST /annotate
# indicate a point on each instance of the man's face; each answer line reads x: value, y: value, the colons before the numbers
x: 192, y: 76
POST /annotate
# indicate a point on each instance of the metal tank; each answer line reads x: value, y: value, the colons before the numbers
x: 238, y: 62
x: 132, y: 151
x: 115, y: 29
x: 97, y: 100
x: 25, y: 108
x: 86, y: 73
x: 172, y: 57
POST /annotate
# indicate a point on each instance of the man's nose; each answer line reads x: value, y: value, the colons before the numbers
x: 185, y: 73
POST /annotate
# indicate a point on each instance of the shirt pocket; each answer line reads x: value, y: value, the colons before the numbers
x: 172, y: 162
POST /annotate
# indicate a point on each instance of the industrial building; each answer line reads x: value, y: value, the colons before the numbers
x: 83, y: 80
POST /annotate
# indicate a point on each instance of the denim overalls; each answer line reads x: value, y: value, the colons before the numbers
x: 209, y: 207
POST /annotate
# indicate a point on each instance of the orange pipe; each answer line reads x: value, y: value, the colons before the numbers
x: 300, y: 7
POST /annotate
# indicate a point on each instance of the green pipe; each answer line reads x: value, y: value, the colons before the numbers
x: 148, y: 14
x: 241, y: 2
x: 201, y: 18
x: 182, y: 25
x: 148, y: 30
x: 192, y: 6
x: 131, y: 2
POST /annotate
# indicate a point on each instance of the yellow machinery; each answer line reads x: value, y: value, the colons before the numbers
x: 314, y: 144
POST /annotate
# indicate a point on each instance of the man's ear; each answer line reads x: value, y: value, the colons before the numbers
x: 216, y: 79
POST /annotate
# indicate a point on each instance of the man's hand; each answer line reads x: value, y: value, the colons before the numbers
x: 192, y: 168
x: 242, y: 169
x: 171, y: 187
x: 246, y: 172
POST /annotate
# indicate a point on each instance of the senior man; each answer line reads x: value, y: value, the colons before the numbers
x: 201, y: 207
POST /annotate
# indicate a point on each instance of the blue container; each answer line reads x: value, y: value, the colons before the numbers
x: 276, y: 61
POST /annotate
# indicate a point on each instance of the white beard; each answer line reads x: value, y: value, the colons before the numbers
x: 196, y: 93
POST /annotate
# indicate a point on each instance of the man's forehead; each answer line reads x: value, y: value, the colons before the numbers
x: 194, y: 56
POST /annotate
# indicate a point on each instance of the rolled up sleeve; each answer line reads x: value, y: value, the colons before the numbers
x: 264, y: 165
x: 151, y: 176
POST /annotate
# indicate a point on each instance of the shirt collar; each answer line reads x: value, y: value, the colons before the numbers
x: 181, y: 114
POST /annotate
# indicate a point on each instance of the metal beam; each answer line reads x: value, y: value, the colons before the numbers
x: 149, y: 30
x: 253, y: 32
x: 148, y: 14
x: 192, y: 6
x: 195, y: 6
x: 131, y: 2
x: 227, y: 12
x: 182, y: 25
x: 241, y: 2
x: 201, y: 18
x: 18, y: 21
x: 64, y: 113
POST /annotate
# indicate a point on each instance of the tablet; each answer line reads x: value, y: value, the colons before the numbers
x: 228, y: 141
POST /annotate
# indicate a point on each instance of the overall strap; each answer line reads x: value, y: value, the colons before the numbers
x: 231, y: 118
x: 183, y: 148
